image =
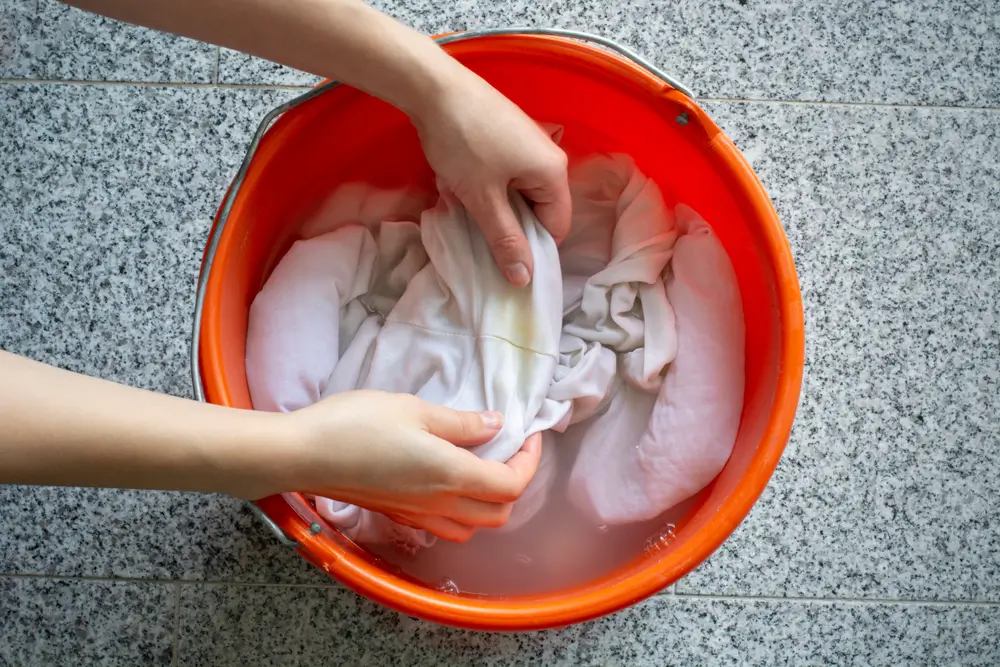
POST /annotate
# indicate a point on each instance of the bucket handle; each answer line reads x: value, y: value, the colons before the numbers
x: 265, y: 124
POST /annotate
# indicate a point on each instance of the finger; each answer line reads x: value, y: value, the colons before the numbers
x: 465, y: 429
x: 504, y: 234
x: 445, y: 528
x: 553, y: 208
x: 403, y: 519
x: 548, y: 188
x: 525, y: 462
x: 480, y: 513
x: 504, y: 482
x: 466, y: 511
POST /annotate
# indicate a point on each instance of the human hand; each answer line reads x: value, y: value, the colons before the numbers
x: 477, y: 141
x: 406, y: 458
x: 480, y: 144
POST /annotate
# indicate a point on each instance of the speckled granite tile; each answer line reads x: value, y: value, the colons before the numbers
x: 47, y: 623
x: 912, y: 52
x: 106, y: 199
x: 61, y: 42
x: 888, y: 486
x: 343, y: 629
x: 238, y: 67
x: 248, y: 626
x: 18, y: 45
x: 133, y: 534
x: 909, y: 52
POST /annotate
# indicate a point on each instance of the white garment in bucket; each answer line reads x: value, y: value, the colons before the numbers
x: 686, y: 429
x: 423, y: 309
x: 339, y: 312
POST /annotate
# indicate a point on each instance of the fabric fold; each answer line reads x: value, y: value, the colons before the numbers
x: 632, y: 329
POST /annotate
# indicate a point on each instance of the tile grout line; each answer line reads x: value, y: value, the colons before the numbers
x: 846, y: 103
x: 303, y: 623
x: 666, y: 594
x: 846, y: 600
x: 177, y: 625
x: 152, y: 84
x: 292, y: 87
x: 153, y: 580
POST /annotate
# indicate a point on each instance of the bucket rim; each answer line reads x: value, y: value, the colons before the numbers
x: 290, y: 520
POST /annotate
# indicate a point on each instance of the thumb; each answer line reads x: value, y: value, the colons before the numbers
x: 465, y: 429
x: 503, y: 232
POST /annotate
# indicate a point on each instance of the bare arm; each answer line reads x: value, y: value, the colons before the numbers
x: 61, y: 428
x: 475, y: 139
x: 341, y: 39
x: 58, y: 427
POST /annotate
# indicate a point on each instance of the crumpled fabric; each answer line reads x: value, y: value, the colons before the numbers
x: 406, y: 308
x: 613, y: 330
x: 640, y: 279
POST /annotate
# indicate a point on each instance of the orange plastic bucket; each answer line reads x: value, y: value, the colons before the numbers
x: 607, y: 102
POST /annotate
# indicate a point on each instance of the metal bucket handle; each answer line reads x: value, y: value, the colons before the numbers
x: 213, y: 242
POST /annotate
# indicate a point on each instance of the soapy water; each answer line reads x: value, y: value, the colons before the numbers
x: 660, y: 541
x: 447, y: 586
x: 557, y: 549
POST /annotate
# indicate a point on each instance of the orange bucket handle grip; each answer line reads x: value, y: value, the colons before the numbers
x: 227, y: 204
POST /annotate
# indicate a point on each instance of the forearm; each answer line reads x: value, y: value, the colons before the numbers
x: 61, y: 428
x: 344, y: 40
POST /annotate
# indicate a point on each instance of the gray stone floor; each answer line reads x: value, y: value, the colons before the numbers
x: 875, y: 126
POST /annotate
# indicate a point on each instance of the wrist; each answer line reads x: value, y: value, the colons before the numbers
x: 437, y: 85
x: 258, y: 462
x: 392, y: 61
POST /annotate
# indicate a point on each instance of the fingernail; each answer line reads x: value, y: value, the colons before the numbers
x: 517, y: 274
x: 492, y: 420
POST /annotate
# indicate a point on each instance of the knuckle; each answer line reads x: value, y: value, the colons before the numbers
x: 468, y: 426
x: 509, y: 494
x: 408, y: 402
x: 554, y: 165
x: 484, y: 202
x: 558, y: 162
x: 507, y: 243
x: 457, y: 478
x: 500, y: 516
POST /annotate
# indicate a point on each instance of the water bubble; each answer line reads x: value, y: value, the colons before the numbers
x: 446, y: 585
x: 660, y: 540
x: 603, y: 528
x: 523, y: 559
